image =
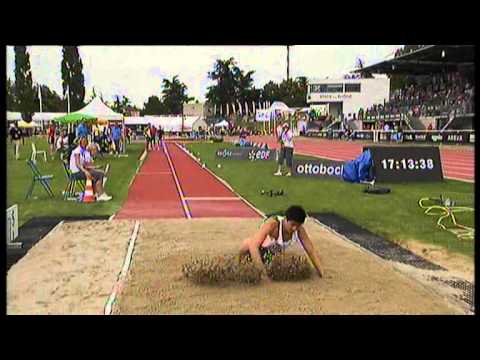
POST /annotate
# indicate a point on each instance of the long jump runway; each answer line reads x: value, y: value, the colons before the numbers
x: 457, y: 164
x: 172, y: 185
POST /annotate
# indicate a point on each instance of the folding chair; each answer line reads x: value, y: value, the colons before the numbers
x: 42, y: 179
x: 71, y: 182
x: 35, y: 152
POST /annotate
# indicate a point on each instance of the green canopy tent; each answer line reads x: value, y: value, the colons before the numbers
x: 74, y: 118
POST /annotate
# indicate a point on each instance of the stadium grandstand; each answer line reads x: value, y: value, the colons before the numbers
x: 436, y: 89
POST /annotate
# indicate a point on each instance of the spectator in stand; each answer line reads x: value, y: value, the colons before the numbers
x: 147, y: 134
x: 16, y: 136
x: 243, y: 137
x: 160, y: 136
x: 82, y: 130
x: 117, y: 136
x: 62, y: 144
x: 51, y: 138
x: 153, y: 134
x: 125, y: 138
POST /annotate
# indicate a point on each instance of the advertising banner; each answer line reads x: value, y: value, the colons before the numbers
x: 318, y: 168
x: 263, y: 115
x: 246, y: 153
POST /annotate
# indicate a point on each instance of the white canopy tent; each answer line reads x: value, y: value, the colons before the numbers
x: 136, y: 120
x: 101, y: 111
x: 199, y: 123
x: 38, y: 118
x: 169, y: 123
x: 280, y: 106
x: 14, y: 116
x: 46, y: 116
x: 223, y: 123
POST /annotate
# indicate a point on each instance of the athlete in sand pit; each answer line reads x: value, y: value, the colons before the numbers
x: 277, y: 234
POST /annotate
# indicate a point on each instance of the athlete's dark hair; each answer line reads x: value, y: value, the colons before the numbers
x: 296, y: 213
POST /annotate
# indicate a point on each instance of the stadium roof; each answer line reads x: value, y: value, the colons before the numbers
x: 425, y: 60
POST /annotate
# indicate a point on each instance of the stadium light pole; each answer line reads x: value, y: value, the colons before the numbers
x: 288, y: 62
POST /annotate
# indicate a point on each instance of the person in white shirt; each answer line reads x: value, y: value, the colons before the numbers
x: 286, y: 150
x: 62, y: 144
x: 82, y: 168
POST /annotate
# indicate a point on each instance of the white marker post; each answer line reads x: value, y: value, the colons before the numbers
x: 12, y: 227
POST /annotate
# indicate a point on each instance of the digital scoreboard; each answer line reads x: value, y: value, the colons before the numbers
x: 406, y: 164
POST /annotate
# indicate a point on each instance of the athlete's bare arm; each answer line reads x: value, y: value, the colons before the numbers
x: 253, y: 243
x: 310, y: 249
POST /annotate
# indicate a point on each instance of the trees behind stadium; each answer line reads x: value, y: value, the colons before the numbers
x: 233, y: 85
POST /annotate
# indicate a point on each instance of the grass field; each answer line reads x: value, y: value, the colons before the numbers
x: 19, y: 178
x: 396, y: 216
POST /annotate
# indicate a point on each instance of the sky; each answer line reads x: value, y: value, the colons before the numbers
x: 137, y: 71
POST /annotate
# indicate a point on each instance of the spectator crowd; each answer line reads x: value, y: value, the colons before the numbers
x: 438, y: 95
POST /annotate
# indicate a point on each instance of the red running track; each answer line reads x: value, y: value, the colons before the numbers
x: 457, y: 164
x: 187, y: 191
x: 205, y: 195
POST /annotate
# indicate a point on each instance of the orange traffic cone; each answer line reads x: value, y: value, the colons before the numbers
x: 88, y: 197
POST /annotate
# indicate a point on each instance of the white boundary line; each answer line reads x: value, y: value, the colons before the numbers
x: 121, y: 278
x: 156, y: 173
x: 54, y: 228
x: 212, y: 199
x: 458, y: 179
x: 227, y: 185
x: 142, y: 159
x: 186, y: 209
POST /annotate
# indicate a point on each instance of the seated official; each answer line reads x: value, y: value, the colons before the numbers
x: 82, y: 168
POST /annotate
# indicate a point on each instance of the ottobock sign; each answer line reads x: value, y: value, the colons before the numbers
x: 318, y: 168
x: 12, y: 225
x: 246, y: 153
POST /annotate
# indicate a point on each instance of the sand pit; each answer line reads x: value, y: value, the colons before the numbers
x: 70, y: 271
x: 355, y: 282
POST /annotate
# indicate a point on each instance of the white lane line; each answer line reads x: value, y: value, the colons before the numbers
x: 186, y: 209
x: 156, y: 173
x: 121, y: 278
x: 459, y: 179
x: 212, y: 198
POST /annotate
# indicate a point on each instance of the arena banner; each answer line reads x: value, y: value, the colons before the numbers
x: 459, y: 137
x: 246, y: 153
x: 406, y: 163
x: 440, y: 137
x: 421, y: 136
x: 318, y: 168
x: 362, y: 135
x: 263, y: 115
